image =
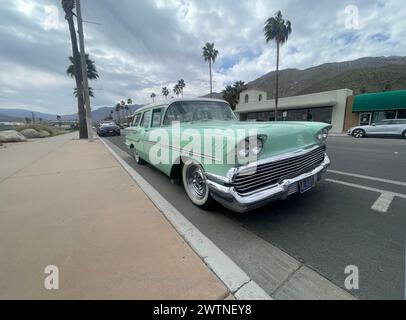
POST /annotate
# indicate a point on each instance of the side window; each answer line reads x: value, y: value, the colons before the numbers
x: 146, y: 119
x: 136, y: 120
x: 246, y: 98
x: 157, y: 117
x: 172, y: 114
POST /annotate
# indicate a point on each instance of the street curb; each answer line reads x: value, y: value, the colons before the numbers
x: 233, y: 277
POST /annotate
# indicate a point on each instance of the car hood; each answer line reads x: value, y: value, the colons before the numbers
x: 281, y: 136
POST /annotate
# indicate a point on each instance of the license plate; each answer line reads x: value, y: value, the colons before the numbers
x: 306, y: 184
x: 111, y: 131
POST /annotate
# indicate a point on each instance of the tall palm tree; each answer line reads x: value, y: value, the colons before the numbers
x: 68, y: 6
x: 111, y: 114
x: 92, y: 72
x: 75, y: 92
x: 210, y: 54
x: 153, y: 95
x: 122, y: 107
x: 165, y: 92
x: 176, y: 90
x: 182, y: 85
x: 276, y: 28
x: 118, y: 108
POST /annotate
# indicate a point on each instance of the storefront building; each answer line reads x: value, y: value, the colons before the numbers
x: 373, y: 107
x: 332, y: 107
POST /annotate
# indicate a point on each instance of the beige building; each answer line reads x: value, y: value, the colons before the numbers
x: 334, y: 107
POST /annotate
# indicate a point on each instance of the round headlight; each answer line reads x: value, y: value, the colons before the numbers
x: 250, y: 147
x: 322, y: 135
x: 243, y: 149
x: 257, y: 148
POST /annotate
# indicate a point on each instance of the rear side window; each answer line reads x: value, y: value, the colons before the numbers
x: 157, y: 117
x: 136, y: 120
x: 146, y: 119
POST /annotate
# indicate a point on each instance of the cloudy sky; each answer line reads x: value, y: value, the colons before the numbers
x: 141, y: 45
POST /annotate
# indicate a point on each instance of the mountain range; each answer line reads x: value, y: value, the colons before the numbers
x: 97, y: 115
x: 370, y: 74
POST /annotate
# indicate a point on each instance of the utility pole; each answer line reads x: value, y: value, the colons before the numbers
x: 84, y: 72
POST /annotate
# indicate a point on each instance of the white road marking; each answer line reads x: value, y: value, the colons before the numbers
x: 395, y: 194
x: 399, y: 183
x: 383, y: 203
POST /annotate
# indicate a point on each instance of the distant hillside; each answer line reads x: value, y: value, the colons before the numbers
x: 215, y: 95
x: 21, y: 114
x: 369, y: 73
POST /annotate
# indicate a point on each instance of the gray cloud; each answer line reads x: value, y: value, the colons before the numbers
x: 141, y: 46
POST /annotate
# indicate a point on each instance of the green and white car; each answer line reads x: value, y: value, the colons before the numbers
x: 242, y: 165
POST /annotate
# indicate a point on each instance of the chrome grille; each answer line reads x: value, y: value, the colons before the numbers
x: 272, y: 172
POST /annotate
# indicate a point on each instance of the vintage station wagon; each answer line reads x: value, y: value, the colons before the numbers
x: 242, y: 165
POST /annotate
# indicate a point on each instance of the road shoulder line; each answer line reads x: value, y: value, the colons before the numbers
x: 399, y: 183
x: 235, y: 279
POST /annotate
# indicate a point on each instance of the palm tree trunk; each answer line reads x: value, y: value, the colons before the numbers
x: 211, y: 85
x: 79, y: 80
x: 277, y: 82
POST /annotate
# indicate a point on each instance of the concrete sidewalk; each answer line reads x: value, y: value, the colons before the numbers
x: 68, y: 203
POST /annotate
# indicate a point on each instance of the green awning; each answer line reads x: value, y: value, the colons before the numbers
x: 390, y: 100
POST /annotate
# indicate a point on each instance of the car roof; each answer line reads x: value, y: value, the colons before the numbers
x: 169, y: 102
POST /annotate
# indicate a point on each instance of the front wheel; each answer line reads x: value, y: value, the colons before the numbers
x: 194, y: 182
x: 404, y: 134
x: 358, y: 133
x: 137, y: 157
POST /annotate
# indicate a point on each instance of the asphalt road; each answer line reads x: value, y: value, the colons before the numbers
x: 326, y: 229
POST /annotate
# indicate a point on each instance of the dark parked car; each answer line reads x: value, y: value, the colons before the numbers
x: 108, y: 129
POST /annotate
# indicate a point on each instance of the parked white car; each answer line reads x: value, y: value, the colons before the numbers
x: 393, y: 127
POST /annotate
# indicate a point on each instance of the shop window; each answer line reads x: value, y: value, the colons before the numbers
x: 260, y: 97
x: 402, y: 114
x: 246, y: 98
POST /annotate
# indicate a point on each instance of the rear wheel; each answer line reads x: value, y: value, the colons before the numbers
x: 137, y: 157
x: 194, y: 182
x: 358, y: 133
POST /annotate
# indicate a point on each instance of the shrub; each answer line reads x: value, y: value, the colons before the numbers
x: 37, y: 127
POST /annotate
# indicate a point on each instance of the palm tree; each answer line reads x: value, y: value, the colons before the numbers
x: 68, y: 6
x: 92, y: 73
x: 277, y: 29
x: 122, y: 107
x: 176, y: 90
x: 117, y: 108
x: 210, y: 54
x: 59, y: 118
x: 75, y: 92
x: 182, y: 85
x: 129, y: 101
x: 153, y: 95
x: 165, y: 92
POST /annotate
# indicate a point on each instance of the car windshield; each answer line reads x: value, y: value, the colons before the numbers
x: 109, y: 124
x: 190, y: 111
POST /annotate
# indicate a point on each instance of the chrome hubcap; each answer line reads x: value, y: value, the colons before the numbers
x: 196, y: 183
x: 358, y: 134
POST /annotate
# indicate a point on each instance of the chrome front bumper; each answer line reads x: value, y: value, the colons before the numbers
x: 230, y: 198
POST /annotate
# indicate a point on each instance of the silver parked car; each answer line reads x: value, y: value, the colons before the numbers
x: 393, y: 127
